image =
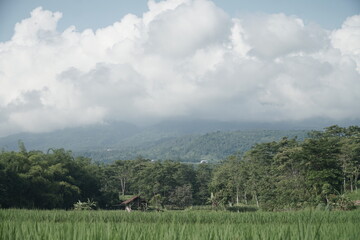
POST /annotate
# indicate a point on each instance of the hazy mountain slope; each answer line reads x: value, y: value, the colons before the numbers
x: 193, y: 148
x: 177, y: 140
x: 81, y: 138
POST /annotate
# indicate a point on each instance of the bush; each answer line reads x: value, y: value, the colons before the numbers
x: 344, y: 203
x: 338, y: 202
x: 88, y: 205
x: 206, y: 208
x: 242, y: 209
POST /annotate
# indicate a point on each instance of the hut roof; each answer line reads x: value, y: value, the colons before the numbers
x: 130, y: 200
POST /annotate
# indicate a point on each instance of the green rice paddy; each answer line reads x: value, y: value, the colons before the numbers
x: 90, y: 225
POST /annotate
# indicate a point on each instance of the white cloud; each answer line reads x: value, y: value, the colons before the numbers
x: 277, y: 35
x: 40, y: 27
x: 347, y: 39
x: 192, y: 25
x: 181, y: 58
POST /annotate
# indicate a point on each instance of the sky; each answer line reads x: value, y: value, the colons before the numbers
x: 75, y: 63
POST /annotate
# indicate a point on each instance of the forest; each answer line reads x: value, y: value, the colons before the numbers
x: 191, y: 148
x: 184, y: 142
x: 278, y: 175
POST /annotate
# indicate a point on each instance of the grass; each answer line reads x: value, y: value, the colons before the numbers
x: 88, y: 225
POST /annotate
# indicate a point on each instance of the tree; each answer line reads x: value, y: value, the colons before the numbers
x: 181, y: 196
x: 321, y: 165
x: 202, y: 192
x: 228, y: 183
x: 289, y: 176
x: 259, y: 161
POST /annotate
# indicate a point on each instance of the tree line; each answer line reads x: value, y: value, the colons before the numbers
x: 292, y: 174
x: 285, y: 174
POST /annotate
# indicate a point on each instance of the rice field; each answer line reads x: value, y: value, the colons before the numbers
x: 90, y: 225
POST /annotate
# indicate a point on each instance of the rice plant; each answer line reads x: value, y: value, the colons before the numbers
x: 108, y: 225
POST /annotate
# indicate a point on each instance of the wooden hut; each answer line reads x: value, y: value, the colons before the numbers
x: 136, y: 202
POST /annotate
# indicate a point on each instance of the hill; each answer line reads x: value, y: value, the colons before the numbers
x: 182, y: 141
x: 211, y: 147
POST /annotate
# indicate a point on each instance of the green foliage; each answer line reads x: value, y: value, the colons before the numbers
x: 182, y: 196
x: 213, y: 146
x: 243, y: 208
x: 203, y: 175
x: 290, y: 175
x: 341, y: 202
x: 355, y: 195
x: 285, y: 174
x: 88, y: 205
x: 52, y: 180
x: 186, y: 142
x: 228, y: 181
x: 164, y: 179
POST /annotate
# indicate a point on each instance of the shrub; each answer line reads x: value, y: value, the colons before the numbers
x: 88, y: 205
x: 242, y: 209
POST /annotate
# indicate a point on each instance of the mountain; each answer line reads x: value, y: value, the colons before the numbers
x: 187, y: 141
x: 76, y: 139
x: 213, y: 146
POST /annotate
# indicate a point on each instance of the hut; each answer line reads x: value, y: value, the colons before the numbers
x: 136, y: 202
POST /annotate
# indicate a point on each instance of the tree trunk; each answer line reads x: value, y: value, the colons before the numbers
x: 123, y: 185
x: 237, y: 195
x: 356, y: 177
x: 256, y: 199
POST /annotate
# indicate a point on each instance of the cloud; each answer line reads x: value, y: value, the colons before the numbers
x: 277, y: 35
x: 40, y: 27
x: 192, y: 25
x: 181, y: 58
x: 347, y: 39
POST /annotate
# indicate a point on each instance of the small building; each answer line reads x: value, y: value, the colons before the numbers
x: 134, y: 203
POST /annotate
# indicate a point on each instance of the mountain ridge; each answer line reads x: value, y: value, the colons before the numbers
x: 189, y: 141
